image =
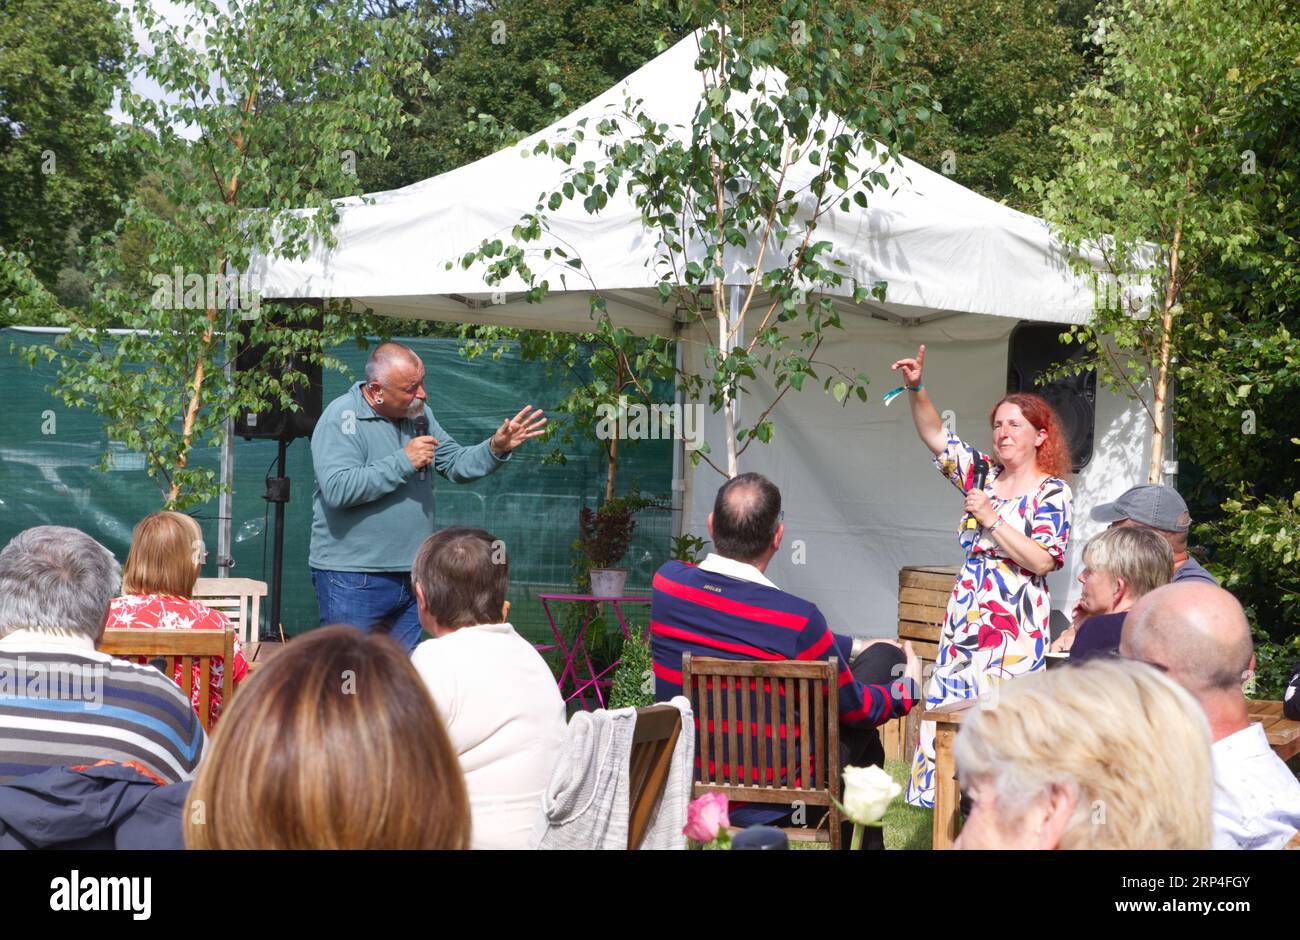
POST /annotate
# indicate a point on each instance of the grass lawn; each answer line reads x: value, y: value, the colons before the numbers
x: 906, y: 827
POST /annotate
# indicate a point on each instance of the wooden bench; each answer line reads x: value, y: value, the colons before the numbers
x: 923, y: 593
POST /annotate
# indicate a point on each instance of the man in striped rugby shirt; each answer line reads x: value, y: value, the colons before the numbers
x: 726, y: 607
x: 62, y: 702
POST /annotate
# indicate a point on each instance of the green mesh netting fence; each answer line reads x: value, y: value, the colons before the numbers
x: 49, y: 475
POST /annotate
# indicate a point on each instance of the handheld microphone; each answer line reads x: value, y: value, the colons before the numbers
x: 422, y: 430
x: 979, y: 476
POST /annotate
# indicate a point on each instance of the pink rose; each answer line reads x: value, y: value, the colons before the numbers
x: 706, y: 816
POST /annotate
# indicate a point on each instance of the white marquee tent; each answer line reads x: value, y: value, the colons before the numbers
x: 861, y: 499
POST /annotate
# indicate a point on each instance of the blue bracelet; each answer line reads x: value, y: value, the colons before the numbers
x: 893, y: 393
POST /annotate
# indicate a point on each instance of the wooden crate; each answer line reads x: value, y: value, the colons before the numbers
x: 923, y: 592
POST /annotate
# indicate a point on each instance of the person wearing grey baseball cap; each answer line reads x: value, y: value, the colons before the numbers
x: 1160, y: 508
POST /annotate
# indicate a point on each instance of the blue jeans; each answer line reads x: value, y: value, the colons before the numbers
x: 375, y: 601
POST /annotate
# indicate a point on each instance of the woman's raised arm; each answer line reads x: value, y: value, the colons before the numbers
x: 928, y: 426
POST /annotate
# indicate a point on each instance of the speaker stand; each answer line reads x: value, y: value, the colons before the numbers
x: 277, y: 492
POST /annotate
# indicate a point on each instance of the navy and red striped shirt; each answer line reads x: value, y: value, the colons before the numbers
x: 705, y: 613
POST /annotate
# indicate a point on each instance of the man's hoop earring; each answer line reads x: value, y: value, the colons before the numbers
x: 379, y: 399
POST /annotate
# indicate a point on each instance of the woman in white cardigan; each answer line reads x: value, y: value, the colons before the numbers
x: 495, y: 693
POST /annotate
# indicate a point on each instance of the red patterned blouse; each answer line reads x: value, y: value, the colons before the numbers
x: 151, y: 611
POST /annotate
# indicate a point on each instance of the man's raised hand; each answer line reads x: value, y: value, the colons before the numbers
x: 529, y: 423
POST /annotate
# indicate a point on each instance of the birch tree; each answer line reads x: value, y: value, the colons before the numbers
x: 1159, y: 176
x: 723, y: 183
x: 265, y: 108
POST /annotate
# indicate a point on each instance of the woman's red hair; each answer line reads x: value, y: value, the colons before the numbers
x: 1054, y: 454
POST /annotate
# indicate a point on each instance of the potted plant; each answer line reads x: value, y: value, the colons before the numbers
x: 604, y: 537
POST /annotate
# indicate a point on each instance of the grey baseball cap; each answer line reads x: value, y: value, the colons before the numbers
x: 1151, y: 504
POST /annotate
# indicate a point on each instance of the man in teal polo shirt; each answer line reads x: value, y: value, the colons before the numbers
x: 374, y: 504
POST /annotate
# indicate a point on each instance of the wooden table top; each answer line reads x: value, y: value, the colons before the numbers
x: 260, y: 653
x: 952, y: 713
x: 1283, y: 733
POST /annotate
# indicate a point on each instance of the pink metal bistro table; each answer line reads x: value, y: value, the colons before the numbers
x: 576, y: 656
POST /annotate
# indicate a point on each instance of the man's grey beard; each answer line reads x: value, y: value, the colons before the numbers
x: 415, y: 409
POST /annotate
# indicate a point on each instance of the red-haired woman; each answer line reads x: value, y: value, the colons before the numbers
x: 996, y: 627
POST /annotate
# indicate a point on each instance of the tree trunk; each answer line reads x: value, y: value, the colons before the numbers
x: 1160, y: 410
x: 228, y: 193
x: 196, y: 392
x: 728, y: 403
x: 612, y: 457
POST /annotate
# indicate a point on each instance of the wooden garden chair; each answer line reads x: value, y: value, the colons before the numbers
x: 801, y: 696
x: 188, y: 646
x: 653, y: 741
x: 240, y: 599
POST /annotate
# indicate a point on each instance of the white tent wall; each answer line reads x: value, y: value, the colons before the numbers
x: 860, y: 493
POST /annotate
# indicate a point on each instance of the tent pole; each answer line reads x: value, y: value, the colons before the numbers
x: 737, y: 331
x: 225, y: 499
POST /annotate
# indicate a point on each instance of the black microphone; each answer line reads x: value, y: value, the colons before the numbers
x: 981, y: 473
x: 422, y: 430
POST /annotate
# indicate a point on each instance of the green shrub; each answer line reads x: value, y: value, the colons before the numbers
x: 634, y: 681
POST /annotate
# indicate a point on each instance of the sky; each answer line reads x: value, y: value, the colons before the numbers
x: 175, y: 14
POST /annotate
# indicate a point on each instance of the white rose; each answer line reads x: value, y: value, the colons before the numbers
x: 868, y: 792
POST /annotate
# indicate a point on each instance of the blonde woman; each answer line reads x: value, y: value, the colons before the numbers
x: 164, y: 561
x: 1119, y: 566
x: 1110, y: 754
x: 335, y: 744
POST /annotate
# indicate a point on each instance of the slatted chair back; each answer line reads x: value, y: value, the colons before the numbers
x: 240, y: 599
x: 768, y: 732
x: 188, y: 647
x: 653, y: 741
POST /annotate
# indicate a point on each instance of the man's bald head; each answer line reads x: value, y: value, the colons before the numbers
x: 1197, y: 631
x: 746, y: 513
x: 386, y: 356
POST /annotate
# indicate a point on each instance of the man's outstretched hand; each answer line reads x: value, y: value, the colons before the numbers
x: 529, y: 423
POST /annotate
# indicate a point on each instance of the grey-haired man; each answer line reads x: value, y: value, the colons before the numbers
x: 62, y: 702
x: 1199, y: 636
x: 1159, y: 508
x: 374, y: 499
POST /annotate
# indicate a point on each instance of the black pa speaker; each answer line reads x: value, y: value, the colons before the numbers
x: 1034, y: 349
x: 270, y: 419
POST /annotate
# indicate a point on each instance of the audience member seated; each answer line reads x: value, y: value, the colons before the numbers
x: 726, y: 607
x: 1160, y: 508
x: 61, y: 701
x: 166, y: 556
x: 1199, y: 635
x: 1135, y: 773
x: 334, y: 744
x: 1119, y: 566
x: 495, y: 693
x: 105, y: 805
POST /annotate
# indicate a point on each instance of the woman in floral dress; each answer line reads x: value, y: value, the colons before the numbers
x: 996, y: 626
x: 166, y: 556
